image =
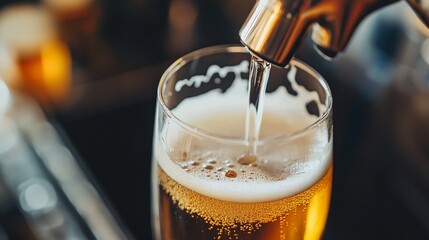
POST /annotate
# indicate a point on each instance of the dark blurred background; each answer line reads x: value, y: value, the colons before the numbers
x: 114, y: 52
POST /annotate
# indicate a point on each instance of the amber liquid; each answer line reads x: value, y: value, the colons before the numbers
x: 185, y: 214
x: 46, y: 73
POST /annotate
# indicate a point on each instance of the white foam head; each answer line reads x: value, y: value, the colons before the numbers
x: 277, y: 174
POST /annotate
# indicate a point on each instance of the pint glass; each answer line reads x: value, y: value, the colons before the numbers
x: 202, y: 188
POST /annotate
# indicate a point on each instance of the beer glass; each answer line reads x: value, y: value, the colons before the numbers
x: 205, y: 185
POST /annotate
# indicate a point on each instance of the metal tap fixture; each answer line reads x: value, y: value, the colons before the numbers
x: 275, y: 28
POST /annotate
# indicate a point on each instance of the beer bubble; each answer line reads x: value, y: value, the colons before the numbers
x: 231, y: 174
x: 193, y: 163
x: 247, y: 159
x: 211, y: 161
x: 230, y: 165
x: 208, y: 166
x: 219, y: 169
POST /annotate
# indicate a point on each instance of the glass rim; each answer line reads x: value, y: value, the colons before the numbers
x: 204, y: 52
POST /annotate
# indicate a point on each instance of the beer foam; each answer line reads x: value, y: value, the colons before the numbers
x: 278, y: 173
x: 254, y: 186
x: 24, y: 28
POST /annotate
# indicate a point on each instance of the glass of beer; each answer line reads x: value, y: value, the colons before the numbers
x: 205, y: 185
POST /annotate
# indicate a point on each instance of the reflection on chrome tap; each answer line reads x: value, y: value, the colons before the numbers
x: 275, y: 28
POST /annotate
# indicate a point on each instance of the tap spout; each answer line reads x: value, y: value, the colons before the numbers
x: 274, y: 29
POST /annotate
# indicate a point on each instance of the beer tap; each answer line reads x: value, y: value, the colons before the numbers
x: 275, y: 28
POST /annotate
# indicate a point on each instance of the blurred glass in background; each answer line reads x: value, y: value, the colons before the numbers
x: 89, y: 69
x: 35, y: 59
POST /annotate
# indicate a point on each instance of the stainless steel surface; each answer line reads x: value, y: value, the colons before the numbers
x: 52, y: 194
x: 65, y: 170
x: 275, y: 28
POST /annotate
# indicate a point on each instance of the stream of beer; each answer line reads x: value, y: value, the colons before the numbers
x: 258, y: 79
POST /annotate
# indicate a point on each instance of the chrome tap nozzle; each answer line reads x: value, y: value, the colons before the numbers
x: 275, y: 28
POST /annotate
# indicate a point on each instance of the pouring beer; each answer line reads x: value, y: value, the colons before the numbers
x: 209, y: 182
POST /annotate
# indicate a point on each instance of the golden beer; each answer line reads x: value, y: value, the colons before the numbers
x: 185, y: 214
x: 238, y: 198
x: 40, y: 62
x: 46, y: 72
x: 219, y: 174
